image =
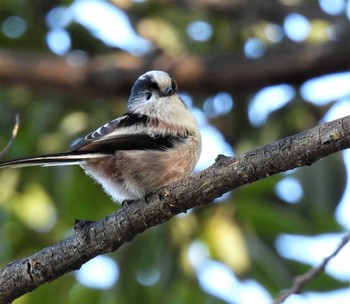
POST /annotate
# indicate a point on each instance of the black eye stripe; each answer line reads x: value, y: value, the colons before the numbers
x: 147, y: 83
x: 154, y: 86
x: 143, y: 86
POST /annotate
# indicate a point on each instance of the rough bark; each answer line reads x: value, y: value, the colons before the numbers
x: 93, y: 238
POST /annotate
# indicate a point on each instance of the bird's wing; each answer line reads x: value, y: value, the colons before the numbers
x: 128, y: 132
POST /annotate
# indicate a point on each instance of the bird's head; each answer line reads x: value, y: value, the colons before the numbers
x: 151, y: 88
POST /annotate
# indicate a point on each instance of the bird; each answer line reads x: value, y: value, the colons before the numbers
x: 156, y: 143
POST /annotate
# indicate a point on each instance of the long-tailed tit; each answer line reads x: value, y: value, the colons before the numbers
x: 156, y: 143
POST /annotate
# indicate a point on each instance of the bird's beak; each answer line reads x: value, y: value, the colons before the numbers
x: 167, y: 92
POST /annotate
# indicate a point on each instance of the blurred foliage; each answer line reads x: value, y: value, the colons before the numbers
x: 38, y: 206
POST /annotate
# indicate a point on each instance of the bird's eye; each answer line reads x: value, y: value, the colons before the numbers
x: 148, y: 95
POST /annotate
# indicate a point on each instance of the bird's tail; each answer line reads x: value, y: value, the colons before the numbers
x: 59, y: 159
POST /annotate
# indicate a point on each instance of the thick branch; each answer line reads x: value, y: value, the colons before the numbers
x: 94, y: 238
x: 113, y: 75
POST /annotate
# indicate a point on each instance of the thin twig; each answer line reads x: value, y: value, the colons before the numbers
x: 300, y: 281
x: 13, y: 136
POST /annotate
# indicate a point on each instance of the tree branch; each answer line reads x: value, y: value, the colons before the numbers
x: 93, y: 238
x: 300, y: 281
x: 269, y: 10
x: 114, y: 74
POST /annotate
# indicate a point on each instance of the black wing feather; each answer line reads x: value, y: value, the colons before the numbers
x: 133, y: 142
x: 94, y: 141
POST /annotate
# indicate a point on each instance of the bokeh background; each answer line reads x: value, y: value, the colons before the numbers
x: 250, y: 244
